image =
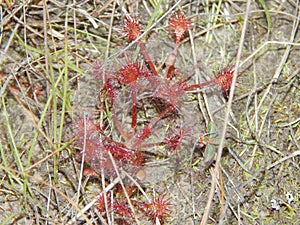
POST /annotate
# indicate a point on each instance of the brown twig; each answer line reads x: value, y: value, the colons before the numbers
x: 227, y: 114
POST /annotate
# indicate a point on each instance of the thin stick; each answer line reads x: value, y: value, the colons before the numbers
x: 220, y: 148
x: 134, y: 110
x: 82, y: 161
x: 90, y: 205
x: 296, y: 153
x: 123, y: 187
x: 147, y: 58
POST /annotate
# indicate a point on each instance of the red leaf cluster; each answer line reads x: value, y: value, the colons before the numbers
x: 165, y: 95
x: 158, y: 208
x: 131, y: 29
x: 180, y: 24
x: 95, y: 145
x: 131, y: 73
x: 224, y: 79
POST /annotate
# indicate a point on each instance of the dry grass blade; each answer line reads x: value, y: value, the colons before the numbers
x: 226, y: 119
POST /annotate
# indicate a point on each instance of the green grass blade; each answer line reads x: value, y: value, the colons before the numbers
x: 156, y: 13
x: 15, y: 150
x: 11, y: 177
x: 268, y: 17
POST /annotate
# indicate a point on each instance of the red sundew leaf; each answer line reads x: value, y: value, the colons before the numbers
x: 119, y: 152
x: 138, y: 159
x: 130, y: 73
x: 158, y: 208
x: 90, y: 172
x: 122, y: 208
x: 224, y: 79
x: 132, y: 29
x: 85, y: 127
x: 124, y: 154
x: 97, y: 71
x: 100, y: 204
x: 106, y: 80
x: 145, y: 133
x: 180, y: 24
x: 129, y: 189
x: 174, y: 141
x: 171, y: 91
x: 96, y: 158
x: 119, y: 206
x: 110, y: 91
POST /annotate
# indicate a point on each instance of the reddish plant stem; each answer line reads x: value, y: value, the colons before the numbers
x: 119, y: 128
x: 133, y: 110
x: 147, y: 58
x: 170, y: 62
x: 120, y: 152
x: 147, y: 129
x: 170, y: 72
x: 196, y: 86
